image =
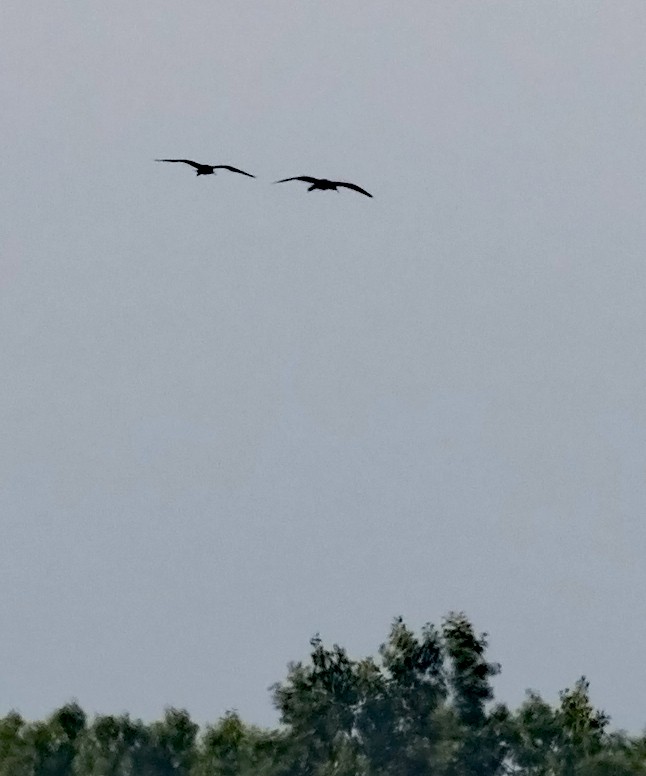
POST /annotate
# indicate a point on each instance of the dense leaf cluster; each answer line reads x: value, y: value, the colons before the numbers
x: 423, y: 707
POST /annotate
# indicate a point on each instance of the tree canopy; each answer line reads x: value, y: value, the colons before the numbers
x: 422, y: 706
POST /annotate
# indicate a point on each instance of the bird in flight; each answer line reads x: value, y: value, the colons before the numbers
x: 207, y: 169
x: 323, y: 183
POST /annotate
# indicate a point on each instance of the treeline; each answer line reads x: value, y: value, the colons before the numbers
x: 423, y: 707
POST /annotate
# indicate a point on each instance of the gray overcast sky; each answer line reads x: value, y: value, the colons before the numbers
x: 234, y: 414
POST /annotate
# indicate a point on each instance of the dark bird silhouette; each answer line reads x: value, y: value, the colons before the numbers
x: 208, y: 169
x: 323, y: 183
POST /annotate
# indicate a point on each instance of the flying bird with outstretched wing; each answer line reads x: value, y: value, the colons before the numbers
x: 323, y: 184
x: 208, y: 169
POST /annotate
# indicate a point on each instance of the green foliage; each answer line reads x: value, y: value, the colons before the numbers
x: 111, y: 747
x: 424, y: 706
x: 571, y: 739
x: 419, y: 710
x: 119, y: 746
x: 16, y: 753
x: 225, y: 748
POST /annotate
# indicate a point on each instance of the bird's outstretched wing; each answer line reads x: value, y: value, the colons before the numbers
x: 197, y: 165
x: 233, y: 169
x: 353, y: 186
x: 305, y: 178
